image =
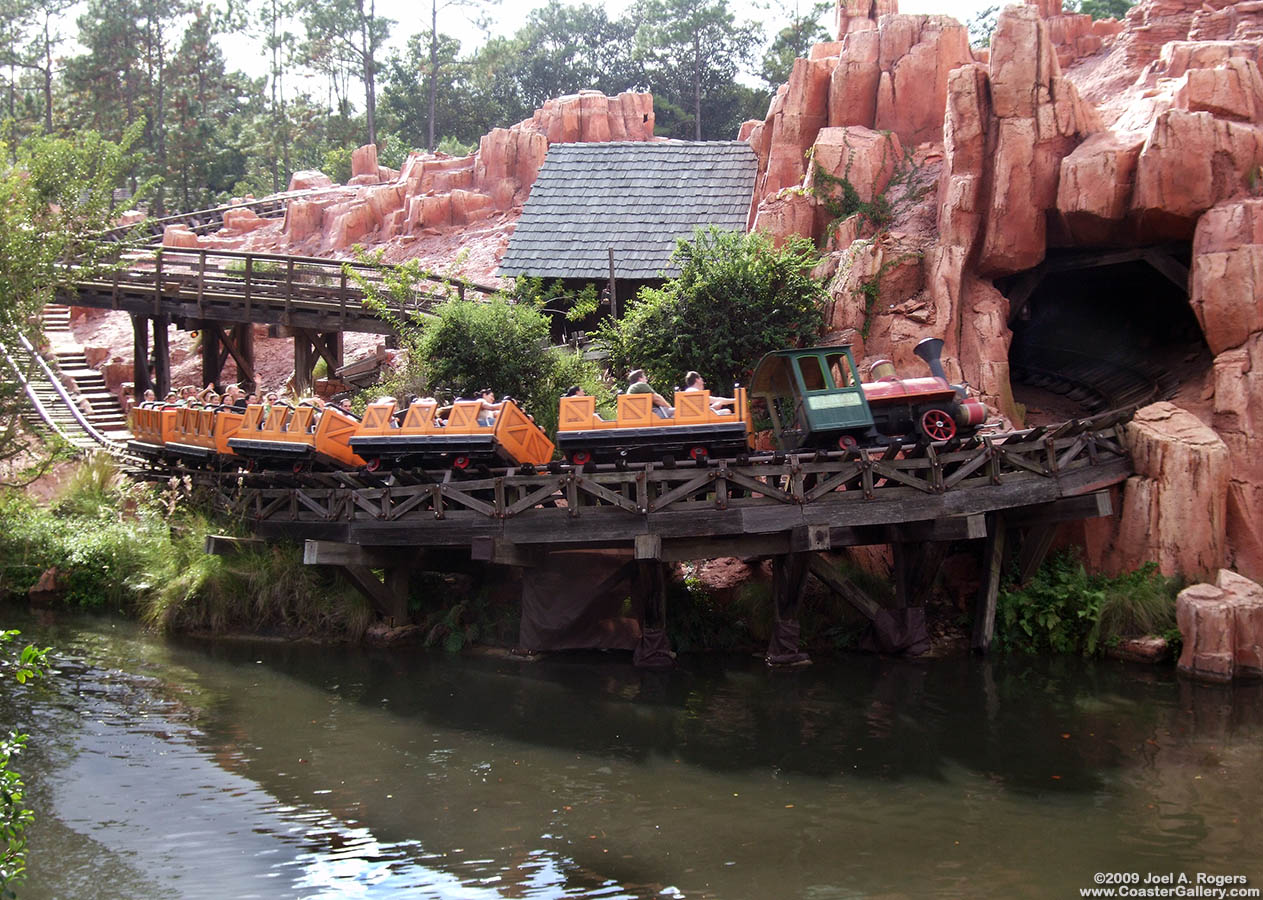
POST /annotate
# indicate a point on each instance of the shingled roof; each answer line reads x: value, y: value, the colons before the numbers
x: 635, y: 197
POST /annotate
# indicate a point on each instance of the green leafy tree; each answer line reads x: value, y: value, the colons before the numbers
x: 347, y: 36
x: 691, y: 51
x: 53, y: 198
x: 1101, y: 9
x: 736, y: 298
x: 24, y: 665
x: 462, y: 110
x: 792, y: 41
x: 434, y: 70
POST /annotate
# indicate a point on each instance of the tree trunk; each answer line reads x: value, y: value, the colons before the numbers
x: 434, y: 65
x: 697, y: 86
x: 370, y: 87
x: 48, y: 78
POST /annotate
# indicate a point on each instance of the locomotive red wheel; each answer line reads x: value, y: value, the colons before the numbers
x: 698, y: 454
x: 847, y: 442
x: 460, y: 463
x: 580, y: 457
x: 299, y: 468
x: 938, y: 425
x: 373, y: 464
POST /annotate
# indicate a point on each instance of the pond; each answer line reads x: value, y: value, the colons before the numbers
x: 230, y: 768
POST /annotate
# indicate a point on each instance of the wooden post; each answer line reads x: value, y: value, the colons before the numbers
x: 613, y: 288
x: 212, y: 360
x: 304, y: 361
x: 161, y: 356
x: 243, y: 337
x: 649, y: 588
x: 140, y: 356
x: 993, y: 565
x: 789, y: 570
x: 157, y: 283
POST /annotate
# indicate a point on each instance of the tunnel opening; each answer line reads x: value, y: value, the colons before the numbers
x: 1100, y: 331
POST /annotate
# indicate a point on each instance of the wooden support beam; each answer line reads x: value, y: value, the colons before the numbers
x: 812, y: 537
x: 140, y: 355
x: 212, y: 360
x: 784, y: 647
x: 993, y: 567
x: 1170, y: 267
x: 820, y: 567
x: 504, y: 553
x: 649, y: 588
x: 223, y: 545
x: 1067, y: 509
x: 387, y: 598
x: 245, y: 362
x: 336, y: 553
x: 1020, y: 294
x: 1035, y: 545
x: 161, y: 356
x: 242, y: 347
x: 789, y: 571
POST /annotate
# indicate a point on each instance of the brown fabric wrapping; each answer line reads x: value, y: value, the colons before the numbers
x: 898, y: 631
x: 575, y: 601
x: 654, y: 650
x: 783, y: 646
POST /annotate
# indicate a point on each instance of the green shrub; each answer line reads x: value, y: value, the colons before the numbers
x: 736, y: 298
x: 467, y: 345
x: 1065, y: 609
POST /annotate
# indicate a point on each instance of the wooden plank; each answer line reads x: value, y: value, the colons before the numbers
x: 1086, y: 506
x: 818, y: 566
x: 988, y: 592
x: 223, y: 545
x: 648, y: 546
x: 505, y: 553
x: 337, y: 553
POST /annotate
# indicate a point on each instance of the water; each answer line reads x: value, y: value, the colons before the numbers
x: 261, y: 769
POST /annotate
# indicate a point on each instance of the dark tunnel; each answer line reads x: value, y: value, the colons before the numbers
x: 1095, y: 337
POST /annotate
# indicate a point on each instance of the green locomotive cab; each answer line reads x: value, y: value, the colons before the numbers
x: 814, y: 397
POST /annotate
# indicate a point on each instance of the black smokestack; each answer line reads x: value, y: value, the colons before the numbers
x: 931, y: 350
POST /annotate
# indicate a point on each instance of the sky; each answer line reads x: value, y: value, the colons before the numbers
x: 412, y: 16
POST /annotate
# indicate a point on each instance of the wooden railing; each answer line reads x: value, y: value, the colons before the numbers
x: 722, y: 497
x: 230, y: 286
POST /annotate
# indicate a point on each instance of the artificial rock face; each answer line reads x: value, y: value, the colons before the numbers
x: 1065, y: 133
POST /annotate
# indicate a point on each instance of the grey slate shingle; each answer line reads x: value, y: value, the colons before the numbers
x: 634, y: 197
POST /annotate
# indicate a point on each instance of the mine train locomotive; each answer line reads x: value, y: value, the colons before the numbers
x: 816, y: 400
x: 813, y: 398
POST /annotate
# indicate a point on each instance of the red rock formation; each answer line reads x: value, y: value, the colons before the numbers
x: 1174, y: 509
x: 1222, y: 628
x: 917, y: 53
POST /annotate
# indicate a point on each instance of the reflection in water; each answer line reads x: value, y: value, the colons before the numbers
x: 245, y: 769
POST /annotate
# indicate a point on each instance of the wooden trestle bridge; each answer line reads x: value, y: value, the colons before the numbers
x: 1009, y: 489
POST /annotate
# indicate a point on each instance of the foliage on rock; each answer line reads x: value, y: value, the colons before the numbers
x: 1065, y: 609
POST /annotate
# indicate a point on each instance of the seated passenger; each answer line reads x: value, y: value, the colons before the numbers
x: 638, y: 383
x: 344, y: 407
x: 575, y: 391
x: 150, y: 396
x: 487, y: 412
x: 695, y: 382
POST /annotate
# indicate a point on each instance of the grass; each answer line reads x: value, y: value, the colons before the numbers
x: 139, y: 550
